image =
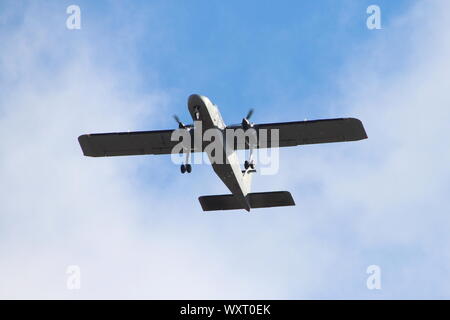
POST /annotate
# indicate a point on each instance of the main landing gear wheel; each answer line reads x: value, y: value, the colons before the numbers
x: 186, y: 168
x: 246, y: 164
x: 249, y: 165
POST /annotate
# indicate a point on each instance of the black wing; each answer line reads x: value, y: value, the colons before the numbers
x: 159, y: 142
x: 127, y: 143
x: 315, y: 131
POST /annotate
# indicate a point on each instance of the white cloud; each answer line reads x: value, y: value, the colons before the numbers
x: 389, y: 193
x: 130, y: 239
x: 382, y: 199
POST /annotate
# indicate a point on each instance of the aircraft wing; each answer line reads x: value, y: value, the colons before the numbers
x: 315, y: 131
x: 159, y: 142
x: 127, y: 143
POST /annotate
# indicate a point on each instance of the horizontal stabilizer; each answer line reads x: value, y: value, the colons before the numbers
x: 256, y: 200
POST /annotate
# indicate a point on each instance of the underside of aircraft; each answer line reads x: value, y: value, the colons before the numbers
x: 224, y: 159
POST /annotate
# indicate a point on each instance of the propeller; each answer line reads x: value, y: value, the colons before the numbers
x: 249, y: 114
x: 246, y: 124
x: 181, y: 125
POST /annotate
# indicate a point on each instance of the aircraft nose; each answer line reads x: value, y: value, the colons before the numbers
x: 198, y: 100
x: 198, y: 105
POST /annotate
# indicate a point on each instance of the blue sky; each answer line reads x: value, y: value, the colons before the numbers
x: 134, y: 225
x: 239, y: 53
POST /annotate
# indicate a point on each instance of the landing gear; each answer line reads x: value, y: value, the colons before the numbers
x: 186, y: 167
x: 248, y: 164
x: 197, y: 113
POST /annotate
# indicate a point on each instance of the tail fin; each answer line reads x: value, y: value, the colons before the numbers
x: 256, y: 200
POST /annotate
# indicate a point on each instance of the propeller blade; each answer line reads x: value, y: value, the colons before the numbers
x: 180, y: 124
x: 249, y: 114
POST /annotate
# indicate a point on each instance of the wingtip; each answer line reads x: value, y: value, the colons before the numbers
x: 83, y: 140
x: 359, y: 127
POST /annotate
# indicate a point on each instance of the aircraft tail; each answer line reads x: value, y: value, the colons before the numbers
x: 256, y: 200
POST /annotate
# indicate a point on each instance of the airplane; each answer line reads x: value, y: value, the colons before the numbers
x: 206, y: 116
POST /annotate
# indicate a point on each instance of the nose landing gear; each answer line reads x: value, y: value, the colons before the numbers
x: 197, y: 113
x: 186, y: 167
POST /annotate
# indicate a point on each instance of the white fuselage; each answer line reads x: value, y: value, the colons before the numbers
x: 229, y: 170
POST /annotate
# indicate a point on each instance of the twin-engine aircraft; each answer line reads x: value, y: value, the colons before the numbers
x: 206, y: 116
